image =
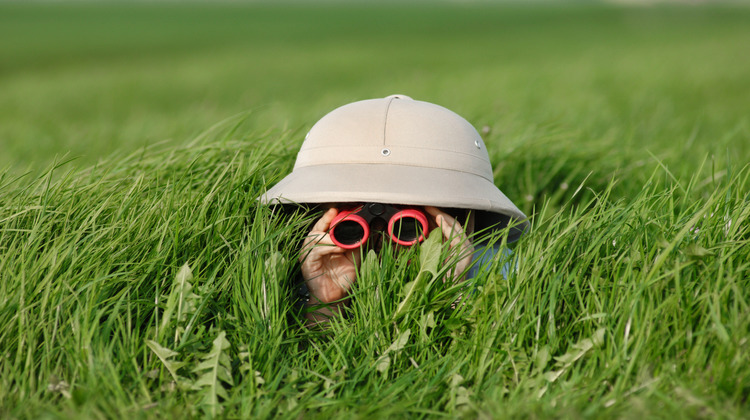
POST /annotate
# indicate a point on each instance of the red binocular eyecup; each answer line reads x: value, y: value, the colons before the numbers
x: 405, y: 226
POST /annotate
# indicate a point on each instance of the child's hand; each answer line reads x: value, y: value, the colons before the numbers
x: 454, y: 233
x: 328, y: 270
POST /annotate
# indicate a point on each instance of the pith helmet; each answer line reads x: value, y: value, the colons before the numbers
x: 400, y: 151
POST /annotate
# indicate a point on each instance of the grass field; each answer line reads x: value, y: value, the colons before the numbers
x: 140, y: 278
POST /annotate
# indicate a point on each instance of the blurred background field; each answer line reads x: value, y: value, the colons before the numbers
x: 86, y: 80
x: 621, y: 129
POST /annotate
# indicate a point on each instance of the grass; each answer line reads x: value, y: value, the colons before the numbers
x: 139, y: 277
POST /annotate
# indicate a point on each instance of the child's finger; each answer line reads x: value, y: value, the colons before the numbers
x: 434, y: 212
x: 442, y: 219
x: 319, y: 232
x: 451, y: 228
x: 317, y: 245
x: 324, y: 222
x: 317, y: 237
x: 454, y: 233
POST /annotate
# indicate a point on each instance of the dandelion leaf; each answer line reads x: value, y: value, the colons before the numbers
x: 400, y: 342
x: 215, y: 370
x: 697, y: 252
x: 384, y: 361
x: 542, y: 358
x: 181, y: 302
x: 164, y: 354
x: 580, y: 348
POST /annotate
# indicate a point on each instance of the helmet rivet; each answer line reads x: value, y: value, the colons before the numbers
x: 385, y: 152
x: 476, y: 143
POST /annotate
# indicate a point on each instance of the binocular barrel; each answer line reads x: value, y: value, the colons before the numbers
x: 351, y: 228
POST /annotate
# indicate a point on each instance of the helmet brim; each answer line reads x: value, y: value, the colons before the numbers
x: 420, y: 186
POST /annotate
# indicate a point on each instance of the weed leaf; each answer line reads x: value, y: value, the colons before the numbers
x: 180, y: 304
x: 429, y: 259
x: 384, y: 361
x: 164, y: 354
x: 697, y: 252
x: 580, y: 348
x: 215, y: 369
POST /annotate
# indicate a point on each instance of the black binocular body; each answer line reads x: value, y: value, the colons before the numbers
x: 405, y: 225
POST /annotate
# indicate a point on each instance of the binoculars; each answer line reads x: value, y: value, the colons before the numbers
x: 404, y: 225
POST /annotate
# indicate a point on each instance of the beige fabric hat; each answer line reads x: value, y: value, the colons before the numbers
x: 400, y: 151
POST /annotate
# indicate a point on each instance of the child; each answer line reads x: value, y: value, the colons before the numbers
x: 390, y: 157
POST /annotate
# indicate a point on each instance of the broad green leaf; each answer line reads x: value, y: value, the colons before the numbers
x: 429, y: 253
x: 400, y: 342
x: 429, y: 320
x: 383, y: 363
x: 215, y: 369
x: 542, y: 358
x: 164, y: 354
x: 429, y: 258
x: 582, y: 347
x: 696, y: 251
x: 552, y: 375
x: 456, y: 380
x: 180, y: 304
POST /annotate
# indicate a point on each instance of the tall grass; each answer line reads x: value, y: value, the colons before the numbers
x: 156, y: 285
x: 152, y: 284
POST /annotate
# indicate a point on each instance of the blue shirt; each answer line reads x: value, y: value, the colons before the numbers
x: 483, y: 256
